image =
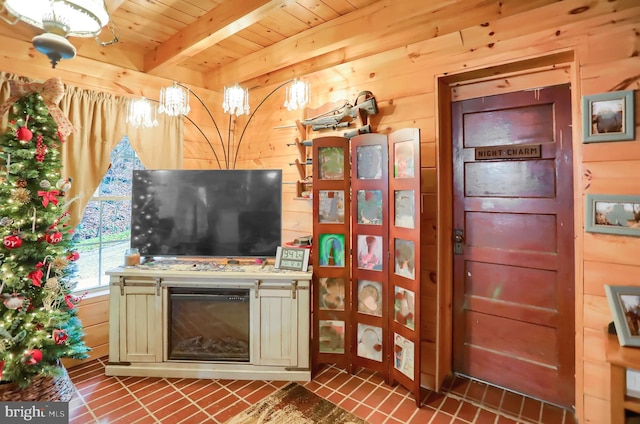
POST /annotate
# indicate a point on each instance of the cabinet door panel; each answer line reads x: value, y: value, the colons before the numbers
x: 277, y: 325
x: 140, y: 325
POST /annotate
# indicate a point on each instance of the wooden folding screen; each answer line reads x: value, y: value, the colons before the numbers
x: 366, y: 203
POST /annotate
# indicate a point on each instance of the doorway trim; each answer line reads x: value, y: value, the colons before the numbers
x: 497, y: 78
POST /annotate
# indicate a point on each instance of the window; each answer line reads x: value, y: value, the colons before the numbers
x: 103, y: 235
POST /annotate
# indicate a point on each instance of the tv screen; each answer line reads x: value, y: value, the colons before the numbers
x: 218, y: 213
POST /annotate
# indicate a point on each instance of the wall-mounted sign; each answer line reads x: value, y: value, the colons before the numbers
x: 509, y: 152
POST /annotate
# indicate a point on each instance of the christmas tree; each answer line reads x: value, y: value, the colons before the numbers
x: 38, y: 319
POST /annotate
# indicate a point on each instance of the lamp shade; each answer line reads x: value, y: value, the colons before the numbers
x: 75, y: 18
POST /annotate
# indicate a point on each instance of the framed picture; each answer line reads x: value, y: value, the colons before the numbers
x: 608, y: 117
x: 331, y: 206
x: 370, y: 207
x: 624, y: 302
x: 369, y: 162
x: 613, y: 214
x: 293, y: 258
x: 332, y: 294
x: 370, y: 252
x: 331, y: 336
x: 331, y: 250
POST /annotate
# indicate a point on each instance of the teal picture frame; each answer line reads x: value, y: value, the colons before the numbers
x: 612, y: 214
x: 608, y: 117
x: 624, y: 303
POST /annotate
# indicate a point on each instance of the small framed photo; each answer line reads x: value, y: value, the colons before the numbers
x: 624, y: 302
x: 292, y: 258
x: 608, y: 117
x: 612, y: 214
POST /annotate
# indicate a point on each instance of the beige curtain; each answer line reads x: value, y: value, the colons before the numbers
x: 99, y: 120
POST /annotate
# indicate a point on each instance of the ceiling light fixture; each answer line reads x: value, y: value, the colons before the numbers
x: 236, y: 100
x: 141, y: 113
x: 297, y: 95
x: 60, y: 19
x: 174, y: 100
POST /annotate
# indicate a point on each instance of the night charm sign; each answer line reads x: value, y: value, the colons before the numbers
x: 521, y: 151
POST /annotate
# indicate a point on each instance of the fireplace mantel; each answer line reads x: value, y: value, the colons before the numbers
x: 279, y: 320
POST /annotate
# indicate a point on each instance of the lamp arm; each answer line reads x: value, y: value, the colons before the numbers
x: 215, y: 124
x: 206, y: 138
x: 251, y: 116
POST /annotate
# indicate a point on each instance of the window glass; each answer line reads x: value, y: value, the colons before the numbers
x: 103, y: 235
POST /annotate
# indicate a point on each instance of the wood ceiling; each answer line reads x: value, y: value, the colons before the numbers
x: 216, y: 43
x: 192, y: 40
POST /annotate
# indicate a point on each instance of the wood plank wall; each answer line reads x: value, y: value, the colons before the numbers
x: 602, y: 37
x: 603, y: 45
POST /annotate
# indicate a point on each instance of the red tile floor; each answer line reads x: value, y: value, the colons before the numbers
x: 104, y: 400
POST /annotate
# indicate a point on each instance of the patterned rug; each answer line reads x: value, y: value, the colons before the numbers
x: 294, y: 404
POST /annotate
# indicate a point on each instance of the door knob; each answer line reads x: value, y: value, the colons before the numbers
x: 458, y: 240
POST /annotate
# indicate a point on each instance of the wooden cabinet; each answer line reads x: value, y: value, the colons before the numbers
x: 278, y: 320
x: 620, y: 358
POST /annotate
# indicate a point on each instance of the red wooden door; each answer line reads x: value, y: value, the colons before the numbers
x: 513, y: 317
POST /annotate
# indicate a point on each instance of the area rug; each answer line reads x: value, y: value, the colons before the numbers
x: 294, y: 404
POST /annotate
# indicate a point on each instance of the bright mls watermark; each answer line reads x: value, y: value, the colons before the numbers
x: 34, y: 412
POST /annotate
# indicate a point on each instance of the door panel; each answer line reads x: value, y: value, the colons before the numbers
x: 513, y: 317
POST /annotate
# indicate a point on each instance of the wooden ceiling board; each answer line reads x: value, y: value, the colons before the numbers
x: 180, y: 10
x: 261, y: 35
x: 341, y: 7
x: 320, y: 9
x: 284, y: 23
x: 299, y: 12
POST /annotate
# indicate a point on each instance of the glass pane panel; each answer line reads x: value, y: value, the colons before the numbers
x: 404, y: 213
x: 331, y: 163
x: 370, y: 252
x: 403, y: 166
x: 369, y: 162
x: 331, y: 206
x: 370, y: 342
x: 370, y: 207
x: 405, y: 258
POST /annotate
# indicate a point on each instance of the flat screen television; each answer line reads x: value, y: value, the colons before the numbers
x: 207, y: 213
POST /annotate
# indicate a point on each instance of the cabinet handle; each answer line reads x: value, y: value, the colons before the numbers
x: 256, y: 288
x: 158, y: 282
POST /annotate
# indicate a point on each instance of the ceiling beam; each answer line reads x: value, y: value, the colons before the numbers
x: 214, y: 26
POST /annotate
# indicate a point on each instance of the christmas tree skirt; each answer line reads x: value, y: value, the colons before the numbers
x: 41, y: 389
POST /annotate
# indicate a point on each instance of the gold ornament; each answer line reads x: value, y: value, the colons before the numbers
x: 21, y: 195
x: 59, y: 263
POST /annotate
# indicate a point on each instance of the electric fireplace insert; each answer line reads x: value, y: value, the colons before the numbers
x: 209, y: 324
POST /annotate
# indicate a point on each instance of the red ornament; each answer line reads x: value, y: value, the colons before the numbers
x: 60, y: 336
x: 41, y: 149
x: 33, y: 357
x: 1, y: 368
x: 24, y: 134
x: 54, y: 238
x: 36, y: 275
x: 12, y: 242
x: 73, y: 256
